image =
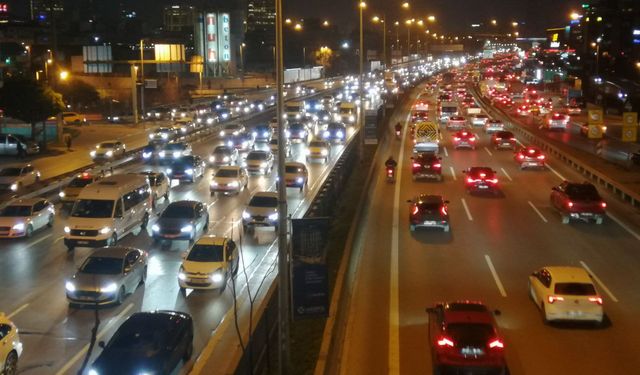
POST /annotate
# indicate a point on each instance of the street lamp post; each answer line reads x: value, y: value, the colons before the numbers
x: 382, y: 20
x: 408, y: 23
x: 242, y: 45
x: 361, y: 6
x: 304, y: 56
x: 142, y: 76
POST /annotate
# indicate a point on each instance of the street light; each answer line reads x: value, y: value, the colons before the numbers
x: 64, y: 75
x: 297, y: 27
x: 377, y: 19
x: 494, y: 22
x: 514, y: 24
x: 325, y: 23
x: 405, y: 5
x: 575, y: 16
x: 596, y: 44
x: 288, y: 21
x: 431, y: 19
x: 408, y: 23
x: 361, y: 6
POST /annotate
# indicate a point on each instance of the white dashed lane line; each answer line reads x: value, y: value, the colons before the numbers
x: 466, y: 209
x: 537, y: 211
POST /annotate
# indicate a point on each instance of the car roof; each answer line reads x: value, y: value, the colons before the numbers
x: 111, y: 252
x: 25, y: 202
x: 183, y: 203
x: 211, y: 240
x: 16, y: 165
x: 467, y: 312
x: 295, y: 164
x: 270, y: 194
x: 565, y: 274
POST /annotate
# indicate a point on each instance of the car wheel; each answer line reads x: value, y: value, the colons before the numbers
x: 565, y: 219
x: 188, y: 352
x: 11, y: 364
x: 145, y: 222
x: 50, y: 221
x: 143, y: 277
x: 29, y: 231
x: 121, y: 294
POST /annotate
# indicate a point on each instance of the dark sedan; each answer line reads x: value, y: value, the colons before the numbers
x: 181, y: 220
x: 147, y: 343
x: 262, y: 133
x: 242, y: 142
x: 223, y: 155
x: 188, y: 168
x: 335, y: 133
x: 297, y: 132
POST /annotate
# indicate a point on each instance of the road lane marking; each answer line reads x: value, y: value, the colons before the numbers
x: 597, y: 279
x: 466, y: 208
x: 17, y: 311
x: 506, y: 174
x: 624, y: 226
x: 446, y: 153
x: 495, y: 275
x: 33, y: 243
x: 394, y: 296
x: 488, y: 152
x: 537, y: 211
x: 453, y: 174
x: 102, y: 332
x: 556, y: 172
x: 212, y: 203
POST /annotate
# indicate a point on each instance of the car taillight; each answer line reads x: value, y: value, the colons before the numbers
x: 520, y: 156
x: 496, y: 344
x: 512, y: 139
x: 552, y: 299
x: 498, y: 139
x: 569, y: 204
x: 415, y: 210
x: 597, y: 300
x: 470, y: 180
x: 456, y: 139
x: 472, y: 139
x: 389, y: 172
x: 493, y: 181
x: 445, y: 341
x: 603, y: 204
x: 443, y: 210
x: 540, y: 157
x: 437, y: 165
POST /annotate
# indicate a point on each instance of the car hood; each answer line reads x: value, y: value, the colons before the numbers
x: 261, y: 211
x: 256, y: 162
x: 225, y: 180
x: 91, y: 282
x: 138, y: 361
x: 88, y: 223
x: 9, y: 221
x: 9, y: 179
x: 201, y: 267
x: 173, y: 223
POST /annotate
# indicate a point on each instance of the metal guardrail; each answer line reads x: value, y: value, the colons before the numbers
x: 599, y: 177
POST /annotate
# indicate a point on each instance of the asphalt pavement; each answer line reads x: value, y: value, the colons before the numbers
x: 493, y: 246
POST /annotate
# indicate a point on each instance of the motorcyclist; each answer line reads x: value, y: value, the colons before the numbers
x: 390, y: 163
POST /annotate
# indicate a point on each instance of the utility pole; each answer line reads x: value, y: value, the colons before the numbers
x: 283, y: 256
x: 142, y: 76
x: 134, y: 93
x: 361, y: 7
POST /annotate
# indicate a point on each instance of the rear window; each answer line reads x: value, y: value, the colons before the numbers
x: 470, y: 334
x: 259, y: 155
x: 583, y: 192
x: 575, y: 289
x: 80, y: 182
x: 227, y: 173
x: 317, y: 144
x: 264, y: 202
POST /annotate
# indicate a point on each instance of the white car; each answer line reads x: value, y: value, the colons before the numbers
x: 23, y: 217
x: 108, y: 150
x: 566, y: 294
x: 229, y: 179
x: 231, y: 129
x: 10, y: 346
x: 492, y: 126
x: 17, y: 176
x: 295, y: 175
x: 479, y: 120
x: 258, y: 161
x: 209, y: 264
x: 262, y: 210
x: 160, y: 186
x: 556, y: 121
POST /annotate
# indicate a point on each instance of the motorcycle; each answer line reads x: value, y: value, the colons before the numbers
x: 391, y: 174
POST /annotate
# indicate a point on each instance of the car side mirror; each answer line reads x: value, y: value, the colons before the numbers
x: 101, y: 344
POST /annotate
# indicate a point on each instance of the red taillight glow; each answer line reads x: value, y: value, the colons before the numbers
x: 496, y: 344
x: 443, y: 210
x: 512, y: 139
x: 498, y: 139
x: 456, y: 139
x: 540, y: 157
x: 520, y: 156
x: 417, y: 165
x: 603, y: 204
x: 472, y: 139
x: 445, y: 341
x: 415, y: 210
x: 437, y: 165
x: 553, y: 299
x: 389, y: 172
x: 570, y: 204
x: 483, y: 175
x: 597, y: 300
x: 470, y: 180
x: 493, y: 181
x: 531, y: 151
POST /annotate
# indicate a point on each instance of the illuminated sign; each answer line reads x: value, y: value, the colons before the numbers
x: 554, y: 45
x: 211, y: 35
x: 173, y: 54
x: 636, y: 31
x: 224, y: 35
x: 554, y: 37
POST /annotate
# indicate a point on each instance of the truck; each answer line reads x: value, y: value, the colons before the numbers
x: 427, y: 137
x: 347, y: 112
x: 294, y: 110
x: 446, y: 110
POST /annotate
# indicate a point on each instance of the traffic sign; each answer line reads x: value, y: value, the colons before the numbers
x: 629, y: 133
x: 630, y: 119
x: 596, y: 117
x: 595, y: 131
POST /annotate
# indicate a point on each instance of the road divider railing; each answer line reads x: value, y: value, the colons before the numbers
x: 600, y: 177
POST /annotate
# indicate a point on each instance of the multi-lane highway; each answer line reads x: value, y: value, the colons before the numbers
x: 494, y: 244
x: 56, y: 336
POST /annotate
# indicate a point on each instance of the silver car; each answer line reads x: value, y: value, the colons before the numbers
x: 262, y: 210
x: 23, y: 217
x: 107, y: 276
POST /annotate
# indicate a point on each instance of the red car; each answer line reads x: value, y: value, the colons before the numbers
x: 530, y: 157
x: 464, y: 139
x: 579, y: 201
x: 480, y: 179
x: 523, y: 110
x: 426, y: 165
x: 503, y: 139
x: 464, y: 337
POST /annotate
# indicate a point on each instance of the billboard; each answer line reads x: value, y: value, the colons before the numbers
x: 224, y: 36
x: 173, y: 54
x: 93, y: 58
x: 211, y: 37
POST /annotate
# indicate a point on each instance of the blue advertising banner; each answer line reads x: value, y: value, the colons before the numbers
x: 310, y: 290
x: 309, y: 237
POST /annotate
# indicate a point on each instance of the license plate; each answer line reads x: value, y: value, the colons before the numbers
x: 482, y: 186
x: 587, y: 214
x: 198, y: 281
x: 82, y: 242
x: 429, y: 223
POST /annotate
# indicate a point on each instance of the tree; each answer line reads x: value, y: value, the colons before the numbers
x: 29, y: 101
x: 78, y: 93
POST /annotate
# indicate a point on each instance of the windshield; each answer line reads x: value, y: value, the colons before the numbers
x: 293, y: 108
x: 296, y: 127
x: 293, y: 169
x: 257, y: 156
x: 178, y: 212
x: 206, y: 253
x: 575, y: 289
x: 227, y: 173
x: 222, y: 150
x: 80, y: 182
x: 583, y: 192
x: 102, y: 266
x: 10, y: 171
x: 174, y: 146
x: 93, y: 208
x: 346, y: 110
x: 264, y: 202
x: 106, y: 145
x: 16, y: 211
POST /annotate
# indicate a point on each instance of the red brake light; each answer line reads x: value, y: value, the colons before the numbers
x: 415, y: 210
x: 437, y: 165
x: 540, y: 157
x: 597, y: 300
x: 553, y: 299
x: 456, y: 138
x: 493, y: 181
x: 443, y: 210
x: 520, y: 156
x: 496, y: 344
x: 603, y: 204
x: 570, y: 204
x: 417, y: 165
x: 512, y: 138
x: 483, y: 175
x: 470, y: 180
x: 472, y: 139
x: 498, y: 138
x: 445, y: 341
x: 531, y: 151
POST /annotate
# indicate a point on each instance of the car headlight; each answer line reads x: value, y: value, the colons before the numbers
x: 105, y: 230
x: 109, y: 288
x: 187, y: 229
x: 67, y: 230
x: 169, y: 170
x: 155, y: 228
x: 182, y: 276
x: 214, y: 183
x: 109, y: 154
x: 254, y: 134
x: 222, y: 133
x: 146, y: 155
x: 273, y: 216
x: 234, y: 184
x: 69, y: 286
x: 245, y: 215
x: 18, y: 227
x: 307, y: 152
x: 164, y: 135
x: 263, y: 164
x: 217, y: 276
x: 225, y: 159
x: 326, y: 134
x: 93, y: 153
x: 324, y: 152
x: 162, y: 154
x: 209, y: 121
x: 225, y: 115
x: 352, y: 118
x: 183, y: 130
x: 340, y: 134
x: 189, y: 171
x: 61, y: 194
x: 265, y: 134
x: 198, y: 120
x: 177, y: 154
x: 150, y: 136
x: 299, y: 180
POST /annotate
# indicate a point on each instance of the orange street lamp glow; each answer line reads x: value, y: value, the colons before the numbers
x: 325, y: 23
x: 431, y: 18
x: 287, y: 21
x: 375, y: 19
x: 494, y: 22
x: 405, y: 5
x: 362, y: 5
x: 298, y: 27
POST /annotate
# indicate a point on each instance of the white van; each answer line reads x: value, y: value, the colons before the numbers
x: 108, y: 210
x: 294, y: 109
